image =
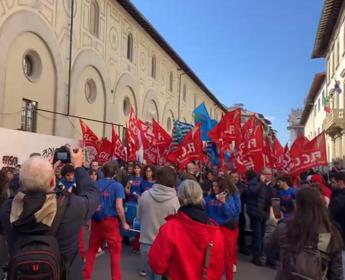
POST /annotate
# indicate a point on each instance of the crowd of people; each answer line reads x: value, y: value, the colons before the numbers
x: 185, y: 224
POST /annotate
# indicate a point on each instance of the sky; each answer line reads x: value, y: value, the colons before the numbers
x: 255, y: 52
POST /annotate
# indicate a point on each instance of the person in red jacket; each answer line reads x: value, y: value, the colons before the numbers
x: 189, y: 245
x: 325, y: 191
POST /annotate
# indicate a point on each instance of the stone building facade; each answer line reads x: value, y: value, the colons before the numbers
x: 118, y: 60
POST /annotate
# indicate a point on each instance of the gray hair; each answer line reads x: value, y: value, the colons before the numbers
x: 36, y: 174
x: 190, y: 193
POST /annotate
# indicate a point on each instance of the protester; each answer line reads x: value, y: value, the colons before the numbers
x: 223, y: 205
x: 286, y: 194
x: 189, y: 245
x: 38, y: 180
x: 207, y: 183
x: 325, y: 190
x: 337, y: 205
x: 154, y: 206
x: 243, y: 189
x: 148, y: 179
x: 67, y: 182
x: 93, y: 175
x: 259, y: 197
x: 133, y: 192
x: 309, y: 244
x: 105, y: 222
x: 190, y: 172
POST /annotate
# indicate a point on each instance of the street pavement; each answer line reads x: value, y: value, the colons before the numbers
x: 131, y: 264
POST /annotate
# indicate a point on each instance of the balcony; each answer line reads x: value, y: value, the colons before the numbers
x: 334, y: 122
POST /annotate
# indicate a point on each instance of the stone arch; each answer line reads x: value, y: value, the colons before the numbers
x: 16, y: 24
x: 151, y: 96
x: 85, y: 58
x: 125, y: 81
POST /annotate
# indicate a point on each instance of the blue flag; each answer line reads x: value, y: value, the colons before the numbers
x: 202, y: 117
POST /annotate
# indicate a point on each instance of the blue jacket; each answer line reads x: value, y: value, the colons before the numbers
x: 223, y: 213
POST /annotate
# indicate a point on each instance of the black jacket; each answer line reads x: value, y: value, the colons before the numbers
x: 337, y: 209
x: 259, y: 198
x: 79, y: 209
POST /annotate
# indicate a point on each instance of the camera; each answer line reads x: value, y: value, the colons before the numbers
x: 62, y: 154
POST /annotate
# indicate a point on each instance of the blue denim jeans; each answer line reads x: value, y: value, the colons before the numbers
x: 144, y: 250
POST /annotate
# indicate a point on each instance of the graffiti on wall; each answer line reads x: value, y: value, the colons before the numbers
x: 10, y: 161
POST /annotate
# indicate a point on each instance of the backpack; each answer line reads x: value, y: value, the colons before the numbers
x: 100, y: 214
x: 38, y: 256
x: 311, y: 263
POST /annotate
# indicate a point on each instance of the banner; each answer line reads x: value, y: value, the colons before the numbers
x: 132, y: 136
x: 306, y: 155
x: 119, y: 148
x: 90, y: 141
x: 149, y: 142
x: 252, y: 132
x: 105, y: 151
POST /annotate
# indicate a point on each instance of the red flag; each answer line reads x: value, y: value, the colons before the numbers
x: 252, y: 132
x: 268, y: 153
x: 105, y: 152
x: 305, y: 154
x: 132, y: 134
x: 90, y: 140
x: 278, y: 152
x: 189, y: 149
x: 149, y: 142
x: 228, y: 129
x: 119, y: 148
x: 163, y: 138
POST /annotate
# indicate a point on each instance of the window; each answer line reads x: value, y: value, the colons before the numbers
x: 323, y: 98
x: 171, y: 82
x: 318, y: 105
x: 169, y: 124
x: 315, y: 109
x: 130, y: 47
x: 184, y: 93
x: 90, y: 91
x: 153, y: 67
x: 94, y: 18
x: 126, y: 106
x: 194, y: 101
x: 32, y: 65
x: 211, y: 112
x: 28, y: 119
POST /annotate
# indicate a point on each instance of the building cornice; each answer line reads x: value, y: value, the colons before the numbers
x: 329, y: 17
x: 147, y: 26
x: 316, y: 85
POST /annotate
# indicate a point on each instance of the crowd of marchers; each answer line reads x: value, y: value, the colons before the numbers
x: 188, y: 224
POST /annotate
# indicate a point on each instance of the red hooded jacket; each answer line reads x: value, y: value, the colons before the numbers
x: 180, y: 247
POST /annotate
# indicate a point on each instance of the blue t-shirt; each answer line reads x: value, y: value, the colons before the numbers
x: 135, y: 188
x: 146, y: 185
x: 109, y: 191
x: 287, y: 198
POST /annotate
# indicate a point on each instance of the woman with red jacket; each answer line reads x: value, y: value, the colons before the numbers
x: 189, y: 246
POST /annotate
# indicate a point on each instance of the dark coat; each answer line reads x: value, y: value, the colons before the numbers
x: 337, y: 209
x: 259, y: 198
x: 80, y: 207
